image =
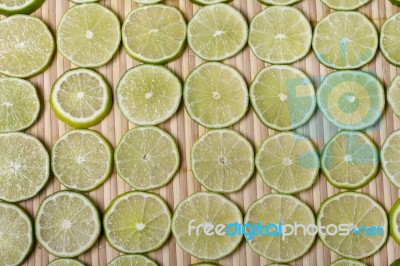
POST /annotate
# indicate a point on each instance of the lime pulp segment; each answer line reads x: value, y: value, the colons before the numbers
x: 389, y: 42
x: 131, y: 260
x: 390, y: 153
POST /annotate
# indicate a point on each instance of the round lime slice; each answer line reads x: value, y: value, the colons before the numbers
x: 347, y: 262
x: 390, y: 153
x: 209, y: 2
x: 344, y: 5
x: 83, y: 1
x: 395, y: 262
x: 396, y: 3
x: 12, y: 7
x: 279, y: 3
x: 131, y: 260
x: 65, y: 262
x: 147, y: 2
x: 389, y: 42
x: 393, y: 95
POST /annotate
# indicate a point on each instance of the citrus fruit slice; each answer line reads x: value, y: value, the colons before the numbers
x: 394, y: 221
x: 350, y: 160
x: 347, y: 262
x: 26, y: 45
x: 205, y: 264
x: 215, y: 95
x: 345, y: 40
x: 277, y: 264
x: 82, y: 160
x: 358, y: 214
x: 89, y: 35
x: 209, y: 2
x: 24, y: 166
x: 19, y: 104
x: 199, y: 213
x: 83, y: 1
x: 280, y: 35
x: 217, y: 32
x: 147, y: 158
x: 65, y: 262
x: 16, y: 234
x: 222, y: 160
x: 395, y: 263
x: 279, y: 3
x: 137, y: 222
x: 390, y: 153
x: 288, y: 162
x: 148, y: 94
x: 81, y: 98
x: 283, y: 97
x: 67, y: 224
x: 284, y: 209
x: 147, y: 2
x: 11, y: 7
x: 131, y: 260
x: 351, y: 100
x: 344, y: 5
x: 389, y: 42
x: 154, y: 34
x: 396, y: 3
x: 393, y: 95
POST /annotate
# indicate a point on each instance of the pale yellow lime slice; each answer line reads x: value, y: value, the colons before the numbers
x: 393, y: 95
x: 344, y: 5
x: 65, y: 262
x: 390, y: 154
x: 390, y: 39
x: 131, y: 260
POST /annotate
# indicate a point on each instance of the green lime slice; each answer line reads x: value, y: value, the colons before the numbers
x: 12, y: 7
x: 16, y: 233
x: 283, y: 97
x: 82, y: 160
x: 67, y: 224
x: 273, y: 209
x: 148, y: 94
x: 24, y: 166
x: 347, y: 262
x: 209, y: 2
x: 215, y: 95
x: 154, y: 34
x: 19, y: 104
x: 288, y: 162
x: 393, y: 95
x: 279, y: 3
x: 396, y: 262
x: 137, y: 222
x: 147, y: 2
x: 358, y: 211
x: 81, y: 98
x: 89, y: 35
x: 389, y: 42
x: 131, y: 260
x: 205, y: 264
x: 222, y: 160
x: 277, y: 264
x: 396, y: 3
x: 351, y: 100
x: 345, y: 40
x: 280, y: 35
x: 83, y: 1
x: 390, y: 154
x: 350, y: 160
x: 207, y: 210
x: 147, y: 158
x: 27, y: 46
x: 65, y: 262
x: 344, y: 5
x: 217, y: 32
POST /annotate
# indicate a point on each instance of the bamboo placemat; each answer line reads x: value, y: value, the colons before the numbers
x: 48, y: 129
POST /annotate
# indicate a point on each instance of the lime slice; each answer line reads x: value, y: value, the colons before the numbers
x: 65, y: 262
x: 148, y: 94
x: 12, y: 7
x: 273, y: 209
x: 206, y: 210
x: 24, y: 53
x: 215, y: 95
x: 345, y: 40
x: 396, y: 3
x: 351, y: 100
x: 217, y: 32
x: 137, y: 222
x: 147, y: 158
x: 205, y: 264
x: 209, y: 2
x: 288, y: 162
x: 389, y: 42
x: 24, y: 166
x: 350, y: 160
x: 347, y: 262
x: 279, y: 3
x: 280, y: 35
x: 81, y: 98
x: 89, y: 35
x: 131, y: 260
x: 283, y: 97
x: 396, y: 262
x: 154, y: 34
x: 82, y: 160
x: 390, y: 154
x: 393, y: 95
x: 16, y: 234
x: 147, y: 2
x: 19, y: 104
x: 222, y: 160
x: 344, y: 5
x: 358, y: 211
x: 83, y: 1
x: 277, y: 264
x: 67, y: 224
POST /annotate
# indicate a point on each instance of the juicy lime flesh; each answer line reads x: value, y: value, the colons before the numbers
x: 222, y: 160
x: 275, y: 208
x: 347, y: 262
x: 88, y: 35
x: 345, y: 4
x: 350, y: 160
x: 137, y: 222
x: 149, y: 95
x: 279, y: 2
x: 355, y: 209
x: 147, y: 158
x: 390, y: 41
x: 390, y: 153
x: 81, y: 160
x: 351, y: 99
x: 26, y: 46
x: 215, y: 95
x: 132, y: 260
x: 65, y: 262
x: 206, y: 208
x: 19, y: 104
x: 393, y: 95
x: 280, y: 35
x: 283, y: 97
x: 345, y: 40
x: 24, y: 166
x: 154, y: 34
x: 217, y: 32
x: 288, y: 162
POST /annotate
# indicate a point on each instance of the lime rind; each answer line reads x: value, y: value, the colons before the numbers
x: 345, y: 5
x: 279, y: 2
x: 209, y: 2
x: 83, y: 1
x: 147, y: 2
x: 125, y: 260
x: 27, y: 8
x: 347, y: 262
x: 391, y: 40
x: 394, y: 218
x: 393, y: 95
x: 65, y: 262
x: 392, y: 176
